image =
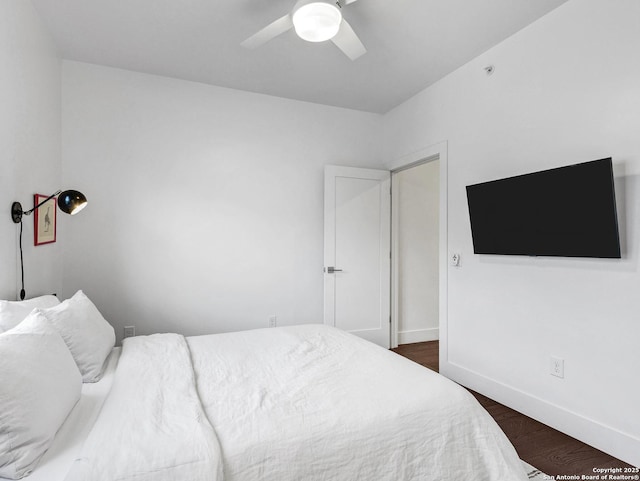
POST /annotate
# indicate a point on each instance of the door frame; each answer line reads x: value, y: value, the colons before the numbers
x: 424, y: 155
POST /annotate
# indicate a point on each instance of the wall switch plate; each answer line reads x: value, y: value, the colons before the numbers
x: 455, y: 260
x: 273, y: 321
x: 129, y: 331
x: 556, y: 367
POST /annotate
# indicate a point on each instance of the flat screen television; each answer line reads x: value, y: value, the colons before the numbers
x: 568, y: 211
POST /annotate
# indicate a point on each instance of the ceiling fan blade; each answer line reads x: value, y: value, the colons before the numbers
x: 269, y: 32
x: 347, y: 41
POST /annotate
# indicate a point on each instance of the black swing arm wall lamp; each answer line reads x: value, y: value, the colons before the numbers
x: 70, y: 202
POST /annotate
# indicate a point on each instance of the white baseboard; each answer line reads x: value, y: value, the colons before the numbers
x: 610, y: 440
x: 418, y: 335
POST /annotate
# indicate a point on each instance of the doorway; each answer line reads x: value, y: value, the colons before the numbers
x: 416, y: 252
x: 337, y: 283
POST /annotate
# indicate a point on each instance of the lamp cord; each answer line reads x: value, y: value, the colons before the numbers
x: 22, y: 293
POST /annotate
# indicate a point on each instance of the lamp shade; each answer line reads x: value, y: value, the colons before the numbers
x: 71, y: 201
x: 317, y: 21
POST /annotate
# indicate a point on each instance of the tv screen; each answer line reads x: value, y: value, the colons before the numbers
x: 569, y: 211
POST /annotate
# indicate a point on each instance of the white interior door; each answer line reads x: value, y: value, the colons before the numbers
x: 357, y: 261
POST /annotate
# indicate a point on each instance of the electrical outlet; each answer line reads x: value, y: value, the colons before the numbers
x: 273, y: 321
x: 556, y: 367
x: 129, y: 331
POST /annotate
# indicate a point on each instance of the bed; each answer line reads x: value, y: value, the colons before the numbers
x: 297, y: 403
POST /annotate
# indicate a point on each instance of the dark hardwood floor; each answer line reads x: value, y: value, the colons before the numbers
x: 551, y: 451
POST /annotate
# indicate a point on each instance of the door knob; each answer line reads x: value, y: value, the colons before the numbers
x: 331, y: 270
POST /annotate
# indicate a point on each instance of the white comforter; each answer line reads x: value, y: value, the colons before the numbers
x: 288, y: 404
x: 152, y: 426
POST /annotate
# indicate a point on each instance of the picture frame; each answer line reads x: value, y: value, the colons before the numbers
x: 44, y: 220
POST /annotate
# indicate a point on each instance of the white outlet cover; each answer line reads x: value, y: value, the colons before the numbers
x: 556, y: 367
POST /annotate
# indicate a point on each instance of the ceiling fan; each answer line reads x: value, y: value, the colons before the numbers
x: 314, y: 21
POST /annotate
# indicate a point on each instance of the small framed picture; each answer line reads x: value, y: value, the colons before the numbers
x: 44, y: 220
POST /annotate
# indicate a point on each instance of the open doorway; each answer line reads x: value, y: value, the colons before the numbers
x: 416, y: 252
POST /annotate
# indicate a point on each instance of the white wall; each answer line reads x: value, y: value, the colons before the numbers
x: 416, y: 207
x: 29, y: 145
x: 565, y: 90
x: 205, y: 204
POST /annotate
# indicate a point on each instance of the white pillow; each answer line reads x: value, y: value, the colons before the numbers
x: 39, y: 385
x: 89, y: 337
x: 13, y: 313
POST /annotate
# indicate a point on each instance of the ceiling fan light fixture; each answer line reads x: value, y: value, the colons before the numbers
x: 317, y: 21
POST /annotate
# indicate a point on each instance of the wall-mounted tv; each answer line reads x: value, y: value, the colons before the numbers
x: 568, y: 211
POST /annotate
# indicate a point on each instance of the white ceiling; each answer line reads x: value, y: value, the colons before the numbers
x: 411, y: 43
